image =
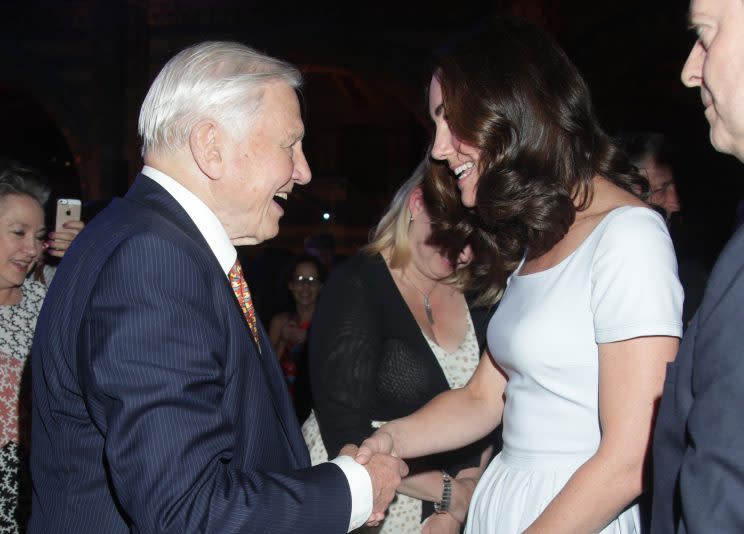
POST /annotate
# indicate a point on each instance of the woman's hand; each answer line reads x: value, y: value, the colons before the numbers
x: 292, y: 333
x: 441, y: 524
x: 59, y: 242
x: 379, y: 442
x: 462, y: 491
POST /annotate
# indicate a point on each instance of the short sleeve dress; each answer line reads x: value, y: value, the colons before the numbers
x: 620, y: 283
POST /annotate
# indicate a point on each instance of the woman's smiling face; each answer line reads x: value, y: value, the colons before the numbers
x: 461, y: 157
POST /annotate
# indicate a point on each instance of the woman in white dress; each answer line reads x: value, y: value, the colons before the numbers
x: 592, y: 311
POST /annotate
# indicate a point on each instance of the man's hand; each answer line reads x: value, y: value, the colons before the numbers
x: 385, y: 472
x: 441, y: 524
x: 378, y: 443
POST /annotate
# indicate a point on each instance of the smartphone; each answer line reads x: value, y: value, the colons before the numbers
x: 68, y: 209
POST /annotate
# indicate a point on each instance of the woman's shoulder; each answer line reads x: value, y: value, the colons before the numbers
x: 279, y: 320
x: 630, y: 230
x: 634, y: 221
x: 361, y: 267
x: 33, y: 293
x: 35, y: 288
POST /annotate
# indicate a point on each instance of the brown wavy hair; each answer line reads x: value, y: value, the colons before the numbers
x: 452, y: 228
x: 510, y: 90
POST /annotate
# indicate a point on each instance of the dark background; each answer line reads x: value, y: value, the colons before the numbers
x: 73, y: 74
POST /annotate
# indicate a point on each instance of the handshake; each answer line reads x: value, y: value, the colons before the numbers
x: 385, y: 470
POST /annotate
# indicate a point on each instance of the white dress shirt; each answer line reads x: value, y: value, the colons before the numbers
x: 214, y: 233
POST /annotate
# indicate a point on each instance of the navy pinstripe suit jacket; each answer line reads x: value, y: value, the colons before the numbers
x: 152, y: 409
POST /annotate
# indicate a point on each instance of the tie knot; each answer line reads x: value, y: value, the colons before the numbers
x: 236, y: 271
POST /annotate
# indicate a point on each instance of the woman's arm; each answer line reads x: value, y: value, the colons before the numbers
x: 428, y: 486
x: 275, y: 333
x: 631, y: 378
x: 451, y: 420
x: 345, y: 344
x: 463, y: 487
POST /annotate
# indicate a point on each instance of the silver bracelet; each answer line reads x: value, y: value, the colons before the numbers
x: 442, y: 506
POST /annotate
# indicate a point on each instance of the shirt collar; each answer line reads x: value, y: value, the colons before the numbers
x: 204, y: 219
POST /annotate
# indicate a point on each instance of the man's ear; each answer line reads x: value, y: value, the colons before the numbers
x: 206, y: 144
x: 416, y: 202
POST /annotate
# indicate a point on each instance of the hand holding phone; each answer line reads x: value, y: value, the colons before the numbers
x: 68, y: 212
x: 68, y: 209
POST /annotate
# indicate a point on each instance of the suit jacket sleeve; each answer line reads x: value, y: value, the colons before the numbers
x: 154, y: 378
x: 711, y: 479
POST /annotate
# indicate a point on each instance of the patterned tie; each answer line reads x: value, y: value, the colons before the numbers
x: 240, y: 288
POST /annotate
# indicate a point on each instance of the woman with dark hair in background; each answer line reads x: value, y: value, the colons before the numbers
x: 392, y: 330
x: 23, y: 239
x: 288, y: 330
x: 592, y: 311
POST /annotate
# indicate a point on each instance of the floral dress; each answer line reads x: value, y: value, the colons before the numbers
x: 17, y: 324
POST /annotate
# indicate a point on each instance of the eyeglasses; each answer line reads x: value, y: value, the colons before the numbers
x: 309, y: 280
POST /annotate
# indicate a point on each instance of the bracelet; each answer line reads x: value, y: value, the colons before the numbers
x: 442, y: 506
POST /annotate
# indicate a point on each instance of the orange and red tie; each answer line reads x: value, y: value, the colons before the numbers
x: 240, y: 288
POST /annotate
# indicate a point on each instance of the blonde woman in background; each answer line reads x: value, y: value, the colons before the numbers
x: 392, y: 330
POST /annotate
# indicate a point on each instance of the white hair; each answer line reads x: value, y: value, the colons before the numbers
x: 216, y: 80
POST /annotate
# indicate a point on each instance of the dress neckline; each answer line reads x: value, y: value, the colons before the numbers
x: 468, y: 330
x: 606, y: 218
x: 404, y: 304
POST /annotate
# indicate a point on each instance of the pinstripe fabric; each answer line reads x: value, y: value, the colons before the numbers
x: 152, y: 409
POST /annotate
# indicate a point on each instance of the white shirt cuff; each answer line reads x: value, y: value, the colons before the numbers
x: 360, y: 486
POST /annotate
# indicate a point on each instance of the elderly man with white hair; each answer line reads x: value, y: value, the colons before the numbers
x: 698, y: 454
x: 158, y: 405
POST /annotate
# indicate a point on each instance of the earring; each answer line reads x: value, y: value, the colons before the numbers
x: 411, y: 219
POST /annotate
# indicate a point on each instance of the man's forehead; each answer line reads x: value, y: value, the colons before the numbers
x: 711, y: 9
x: 279, y: 104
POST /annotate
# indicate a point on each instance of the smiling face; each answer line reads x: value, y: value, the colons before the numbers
x: 716, y: 65
x: 305, y: 284
x: 461, y: 158
x: 22, y: 234
x: 261, y: 168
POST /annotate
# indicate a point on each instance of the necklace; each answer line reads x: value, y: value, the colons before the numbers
x: 427, y: 302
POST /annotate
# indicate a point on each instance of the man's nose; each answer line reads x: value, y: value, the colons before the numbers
x: 692, y: 72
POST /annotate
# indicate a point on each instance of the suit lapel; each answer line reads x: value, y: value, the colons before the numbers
x: 274, y: 379
x: 283, y: 402
x: 150, y: 193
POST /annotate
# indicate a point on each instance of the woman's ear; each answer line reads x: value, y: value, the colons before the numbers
x: 205, y: 143
x: 416, y: 202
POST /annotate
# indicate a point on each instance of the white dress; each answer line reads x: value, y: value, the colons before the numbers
x: 620, y: 283
x: 404, y: 513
